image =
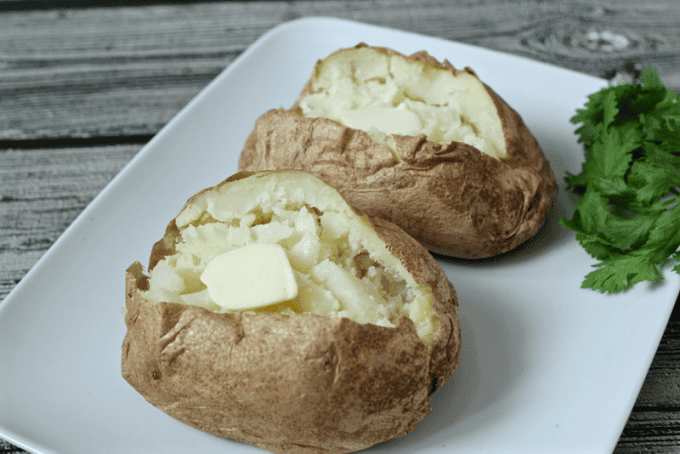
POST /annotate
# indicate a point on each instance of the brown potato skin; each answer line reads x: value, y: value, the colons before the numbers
x: 297, y: 383
x: 452, y: 198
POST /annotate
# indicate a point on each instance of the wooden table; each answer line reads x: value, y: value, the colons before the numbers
x: 83, y: 89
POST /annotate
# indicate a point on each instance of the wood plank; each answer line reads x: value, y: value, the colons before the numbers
x: 125, y: 71
x: 41, y: 193
x: 32, y: 5
x: 650, y: 431
x: 8, y: 448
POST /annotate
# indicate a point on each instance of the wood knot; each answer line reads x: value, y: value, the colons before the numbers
x: 606, y: 41
x: 573, y: 41
x: 603, y: 41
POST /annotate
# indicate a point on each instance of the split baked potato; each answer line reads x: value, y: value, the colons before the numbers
x: 417, y: 142
x: 336, y: 347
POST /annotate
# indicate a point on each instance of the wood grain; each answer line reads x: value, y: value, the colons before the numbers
x: 118, y: 71
x: 82, y: 89
x: 41, y: 192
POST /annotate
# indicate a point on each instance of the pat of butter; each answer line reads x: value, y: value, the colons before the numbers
x: 250, y: 277
x: 390, y: 120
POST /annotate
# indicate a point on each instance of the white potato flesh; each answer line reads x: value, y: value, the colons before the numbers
x: 386, y: 95
x: 342, y: 268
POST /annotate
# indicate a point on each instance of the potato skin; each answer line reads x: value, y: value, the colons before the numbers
x: 452, y: 198
x: 298, y: 383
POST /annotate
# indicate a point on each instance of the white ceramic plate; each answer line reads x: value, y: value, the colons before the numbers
x: 546, y: 366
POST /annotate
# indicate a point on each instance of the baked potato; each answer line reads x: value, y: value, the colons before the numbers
x: 416, y: 142
x: 335, y: 347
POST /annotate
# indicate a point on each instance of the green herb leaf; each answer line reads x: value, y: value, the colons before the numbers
x: 676, y: 258
x: 628, y: 217
x: 621, y: 273
x: 650, y: 78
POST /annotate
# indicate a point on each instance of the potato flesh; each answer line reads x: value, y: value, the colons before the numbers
x: 386, y: 95
x: 335, y: 272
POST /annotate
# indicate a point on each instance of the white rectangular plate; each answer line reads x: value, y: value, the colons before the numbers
x: 546, y: 366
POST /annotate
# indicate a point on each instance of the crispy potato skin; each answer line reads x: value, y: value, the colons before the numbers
x: 297, y: 383
x: 451, y: 198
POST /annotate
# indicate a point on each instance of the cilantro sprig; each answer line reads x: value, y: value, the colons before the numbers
x: 628, y: 217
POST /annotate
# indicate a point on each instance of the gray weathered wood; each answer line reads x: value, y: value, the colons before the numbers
x: 112, y: 71
x: 41, y: 192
